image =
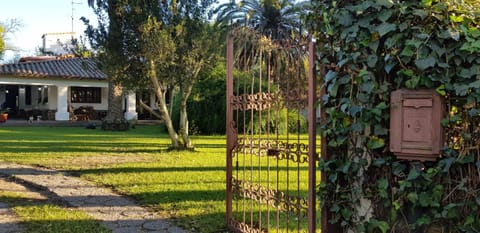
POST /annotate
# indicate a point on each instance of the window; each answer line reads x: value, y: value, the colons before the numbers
x: 86, y: 95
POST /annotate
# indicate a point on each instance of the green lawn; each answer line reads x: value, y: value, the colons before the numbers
x: 187, y: 186
x: 41, y: 216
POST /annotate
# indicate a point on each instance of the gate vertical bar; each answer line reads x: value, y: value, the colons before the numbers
x: 312, y: 135
x: 229, y: 128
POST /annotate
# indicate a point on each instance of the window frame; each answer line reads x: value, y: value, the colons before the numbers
x: 86, y: 95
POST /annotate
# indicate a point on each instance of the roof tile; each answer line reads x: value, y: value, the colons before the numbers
x: 71, y: 68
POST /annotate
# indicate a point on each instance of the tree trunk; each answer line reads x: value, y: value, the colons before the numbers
x: 115, y: 66
x: 160, y: 91
x: 115, y: 99
x: 183, y: 130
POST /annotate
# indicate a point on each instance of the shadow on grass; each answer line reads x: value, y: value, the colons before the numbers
x: 118, y: 170
x: 90, y: 146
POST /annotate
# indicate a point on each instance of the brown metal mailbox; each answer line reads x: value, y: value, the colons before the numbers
x: 415, y: 129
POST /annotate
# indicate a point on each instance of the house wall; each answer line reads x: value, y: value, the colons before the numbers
x: 55, y: 94
x: 52, y: 91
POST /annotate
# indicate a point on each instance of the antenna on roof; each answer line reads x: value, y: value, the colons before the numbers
x: 73, y: 11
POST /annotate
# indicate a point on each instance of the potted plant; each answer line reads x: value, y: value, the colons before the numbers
x: 3, y: 115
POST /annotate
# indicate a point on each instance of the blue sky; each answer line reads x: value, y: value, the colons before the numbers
x: 43, y: 16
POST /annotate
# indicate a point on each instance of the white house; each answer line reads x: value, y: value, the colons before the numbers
x: 57, y: 43
x: 48, y: 85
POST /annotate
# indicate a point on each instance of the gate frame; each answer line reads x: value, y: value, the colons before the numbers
x: 312, y: 141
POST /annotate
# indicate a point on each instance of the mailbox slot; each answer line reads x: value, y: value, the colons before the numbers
x: 415, y: 129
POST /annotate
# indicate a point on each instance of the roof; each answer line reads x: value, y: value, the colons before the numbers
x: 70, y: 68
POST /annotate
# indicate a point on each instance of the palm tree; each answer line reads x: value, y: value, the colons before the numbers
x: 274, y: 18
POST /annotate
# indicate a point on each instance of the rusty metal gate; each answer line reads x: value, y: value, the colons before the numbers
x: 271, y: 134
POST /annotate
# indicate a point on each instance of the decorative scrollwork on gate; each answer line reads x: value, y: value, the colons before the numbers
x: 295, y: 152
x: 243, y: 227
x: 274, y: 198
x: 258, y: 101
x: 295, y: 99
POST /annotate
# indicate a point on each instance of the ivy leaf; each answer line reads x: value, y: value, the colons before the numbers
x: 412, y: 197
x: 354, y: 109
x: 335, y: 208
x: 450, y: 34
x: 372, y: 60
x: 345, y: 18
x: 413, y: 174
x: 385, y: 3
x: 473, y: 112
x: 424, y: 220
x: 346, y: 213
x: 456, y: 19
x: 412, y: 83
x: 448, y: 162
x: 379, y: 130
x: 466, y: 159
x: 379, y: 162
x: 385, y: 28
x: 460, y: 89
x: 333, y: 177
x: 381, y: 225
x: 398, y: 168
x: 375, y: 143
x: 382, y: 184
x: 407, y: 52
x: 368, y: 87
x: 475, y: 85
x: 389, y: 66
x: 357, y: 127
x: 330, y: 75
x: 427, y: 2
x: 424, y: 199
x: 441, y: 90
x: 471, y: 46
x: 384, y: 15
x: 421, y: 13
x: 465, y: 73
x: 425, y: 63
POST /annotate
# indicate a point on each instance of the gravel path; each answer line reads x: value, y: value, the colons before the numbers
x: 116, y: 212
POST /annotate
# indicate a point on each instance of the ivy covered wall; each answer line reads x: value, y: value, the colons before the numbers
x: 369, y: 49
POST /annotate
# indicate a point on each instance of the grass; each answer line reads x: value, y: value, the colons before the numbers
x: 187, y: 186
x: 43, y: 217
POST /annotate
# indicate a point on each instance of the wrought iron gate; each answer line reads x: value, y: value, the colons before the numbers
x: 271, y: 135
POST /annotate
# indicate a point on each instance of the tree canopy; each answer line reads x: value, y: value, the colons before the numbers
x: 7, y: 28
x: 163, y: 47
x: 274, y: 18
x: 2, y: 40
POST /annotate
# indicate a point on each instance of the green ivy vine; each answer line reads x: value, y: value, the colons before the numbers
x: 369, y: 49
